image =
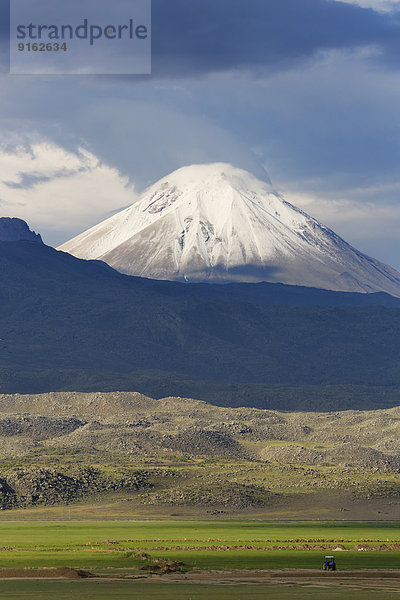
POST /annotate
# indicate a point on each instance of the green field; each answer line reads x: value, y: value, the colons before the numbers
x: 144, y: 534
x: 201, y: 544
x: 108, y: 548
x: 88, y: 590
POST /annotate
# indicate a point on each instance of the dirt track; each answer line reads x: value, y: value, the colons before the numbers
x: 44, y: 573
x: 370, y: 579
x: 362, y: 579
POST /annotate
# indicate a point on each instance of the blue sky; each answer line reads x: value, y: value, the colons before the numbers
x: 308, y: 90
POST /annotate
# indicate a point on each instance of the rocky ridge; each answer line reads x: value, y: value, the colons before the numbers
x: 17, y: 230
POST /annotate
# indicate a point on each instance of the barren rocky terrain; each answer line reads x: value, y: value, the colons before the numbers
x: 64, y: 447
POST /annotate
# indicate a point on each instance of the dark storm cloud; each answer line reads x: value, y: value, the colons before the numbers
x: 192, y: 36
x: 4, y: 35
x: 199, y: 36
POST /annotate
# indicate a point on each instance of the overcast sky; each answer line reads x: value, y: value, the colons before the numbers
x: 306, y: 90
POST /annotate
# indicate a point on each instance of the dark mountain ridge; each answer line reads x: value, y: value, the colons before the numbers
x: 70, y: 324
x: 16, y: 230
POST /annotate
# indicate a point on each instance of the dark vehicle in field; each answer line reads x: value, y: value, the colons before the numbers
x: 329, y: 564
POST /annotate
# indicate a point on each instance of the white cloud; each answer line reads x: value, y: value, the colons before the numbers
x: 59, y: 191
x: 350, y: 216
x: 379, y: 5
x: 357, y: 217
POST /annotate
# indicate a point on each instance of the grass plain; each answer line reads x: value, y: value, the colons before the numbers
x: 89, y: 590
x: 199, y: 544
x: 113, y: 548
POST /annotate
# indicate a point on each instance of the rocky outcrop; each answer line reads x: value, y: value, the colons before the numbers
x: 31, y: 487
x: 229, y: 495
x: 198, y: 441
x: 17, y: 230
x: 38, y: 428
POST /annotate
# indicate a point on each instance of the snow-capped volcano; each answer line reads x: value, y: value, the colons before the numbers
x: 220, y: 223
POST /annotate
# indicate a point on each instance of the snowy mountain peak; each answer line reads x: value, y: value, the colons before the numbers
x: 16, y: 230
x: 220, y: 223
x: 211, y: 175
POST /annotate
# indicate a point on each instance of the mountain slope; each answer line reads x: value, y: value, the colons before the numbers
x: 69, y: 324
x: 219, y: 223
